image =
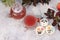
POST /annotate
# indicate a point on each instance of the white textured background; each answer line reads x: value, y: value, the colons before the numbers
x: 11, y: 29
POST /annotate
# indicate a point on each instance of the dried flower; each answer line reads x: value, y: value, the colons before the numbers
x: 50, y: 13
x: 57, y: 20
x: 29, y: 2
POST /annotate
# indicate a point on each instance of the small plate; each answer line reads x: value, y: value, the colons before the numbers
x: 50, y: 29
x: 40, y: 30
x: 44, y: 22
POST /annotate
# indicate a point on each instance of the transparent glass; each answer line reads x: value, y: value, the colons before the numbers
x: 30, y: 21
x: 17, y: 11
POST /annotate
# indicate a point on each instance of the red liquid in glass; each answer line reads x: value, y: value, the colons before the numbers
x: 18, y: 15
x: 30, y: 21
x: 17, y: 11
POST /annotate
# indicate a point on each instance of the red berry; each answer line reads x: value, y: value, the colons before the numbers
x: 58, y: 6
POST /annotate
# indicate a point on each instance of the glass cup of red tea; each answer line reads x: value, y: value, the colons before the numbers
x: 17, y: 11
x: 30, y: 21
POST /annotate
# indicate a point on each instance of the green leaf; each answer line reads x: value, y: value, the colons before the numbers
x: 8, y: 2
